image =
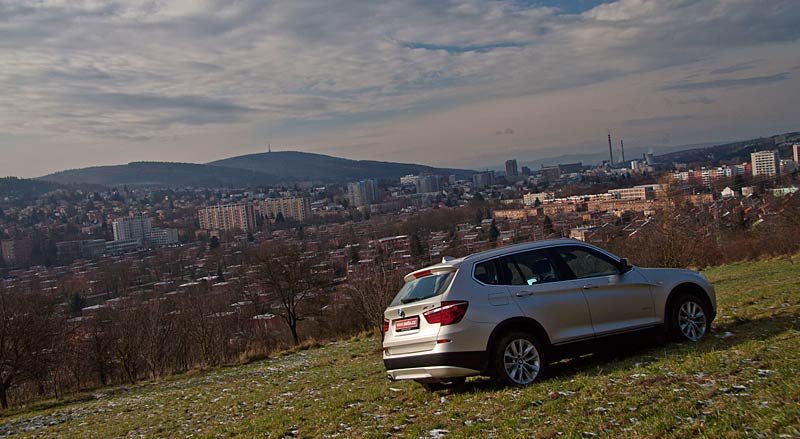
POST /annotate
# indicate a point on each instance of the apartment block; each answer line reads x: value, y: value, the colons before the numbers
x: 132, y: 228
x: 765, y: 163
x: 296, y: 208
x: 228, y: 217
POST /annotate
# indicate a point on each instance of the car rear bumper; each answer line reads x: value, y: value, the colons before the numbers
x: 430, y: 373
x: 435, y: 365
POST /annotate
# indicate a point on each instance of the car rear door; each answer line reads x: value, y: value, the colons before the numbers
x: 546, y: 295
x: 617, y: 301
x: 409, y: 332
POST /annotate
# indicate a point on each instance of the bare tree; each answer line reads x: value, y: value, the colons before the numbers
x: 158, y: 327
x: 27, y: 331
x: 289, y: 283
x: 372, y: 285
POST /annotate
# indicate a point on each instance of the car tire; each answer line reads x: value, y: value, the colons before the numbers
x: 433, y: 386
x: 519, y: 359
x: 689, y: 318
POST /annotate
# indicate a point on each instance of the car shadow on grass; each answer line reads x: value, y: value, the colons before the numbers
x: 617, y: 353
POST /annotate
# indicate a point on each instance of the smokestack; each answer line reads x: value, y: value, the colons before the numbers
x: 622, y: 149
x: 610, y: 151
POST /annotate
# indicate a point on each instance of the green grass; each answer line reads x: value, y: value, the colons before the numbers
x: 740, y: 382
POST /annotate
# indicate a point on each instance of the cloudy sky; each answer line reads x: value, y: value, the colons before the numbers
x: 464, y: 83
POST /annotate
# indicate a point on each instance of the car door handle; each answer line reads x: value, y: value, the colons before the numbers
x: 523, y: 293
x: 590, y: 287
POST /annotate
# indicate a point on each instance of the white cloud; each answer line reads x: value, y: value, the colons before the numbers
x: 139, y: 76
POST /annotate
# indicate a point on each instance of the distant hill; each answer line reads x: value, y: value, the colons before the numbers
x: 244, y: 171
x: 294, y: 165
x: 161, y: 174
x: 726, y: 152
x: 20, y: 188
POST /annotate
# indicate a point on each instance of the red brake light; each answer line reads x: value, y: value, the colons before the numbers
x: 449, y: 313
x: 385, y: 326
x: 422, y: 274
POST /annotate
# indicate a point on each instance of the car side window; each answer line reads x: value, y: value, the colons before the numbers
x: 585, y: 263
x: 486, y: 272
x: 534, y: 267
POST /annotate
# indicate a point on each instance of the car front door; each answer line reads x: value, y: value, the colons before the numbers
x: 546, y: 295
x: 617, y: 301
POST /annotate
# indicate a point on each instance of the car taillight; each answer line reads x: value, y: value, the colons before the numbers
x: 449, y: 313
x: 385, y: 326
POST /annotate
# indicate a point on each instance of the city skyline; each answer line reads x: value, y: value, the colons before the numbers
x: 96, y: 83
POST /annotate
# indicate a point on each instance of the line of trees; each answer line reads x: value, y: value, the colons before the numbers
x: 283, y: 298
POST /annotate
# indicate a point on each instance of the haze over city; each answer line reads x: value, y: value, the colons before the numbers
x: 455, y: 84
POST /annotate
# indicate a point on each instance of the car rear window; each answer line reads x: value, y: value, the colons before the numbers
x: 423, y: 288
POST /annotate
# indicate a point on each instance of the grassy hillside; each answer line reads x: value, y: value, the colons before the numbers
x: 740, y: 382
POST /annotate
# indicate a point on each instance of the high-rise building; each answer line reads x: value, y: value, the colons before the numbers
x: 362, y: 193
x: 765, y: 163
x: 511, y: 168
x: 427, y: 184
x: 228, y: 217
x: 16, y: 251
x: 296, y: 208
x: 483, y: 179
x: 526, y: 171
x: 132, y: 228
x: 796, y: 152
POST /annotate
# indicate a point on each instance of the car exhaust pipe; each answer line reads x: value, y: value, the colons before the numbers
x: 389, y: 377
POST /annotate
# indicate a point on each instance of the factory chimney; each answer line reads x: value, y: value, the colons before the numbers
x: 610, y: 151
x: 622, y: 149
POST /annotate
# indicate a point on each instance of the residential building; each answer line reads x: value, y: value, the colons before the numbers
x: 530, y: 199
x: 526, y: 171
x: 570, y: 168
x: 511, y: 168
x: 16, y: 251
x: 550, y: 173
x: 765, y: 163
x: 295, y: 208
x: 228, y: 217
x: 633, y: 193
x: 728, y: 193
x: 427, y: 184
x: 483, y: 179
x: 118, y: 247
x: 132, y: 227
x: 68, y: 251
x: 162, y: 237
x: 706, y: 176
x: 409, y: 180
x: 362, y: 193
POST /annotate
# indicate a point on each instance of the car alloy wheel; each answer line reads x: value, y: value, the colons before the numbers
x: 692, y: 320
x: 521, y: 361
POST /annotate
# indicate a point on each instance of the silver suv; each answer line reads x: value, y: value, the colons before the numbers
x: 504, y: 312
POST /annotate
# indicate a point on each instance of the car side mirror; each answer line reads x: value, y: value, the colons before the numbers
x: 624, y: 266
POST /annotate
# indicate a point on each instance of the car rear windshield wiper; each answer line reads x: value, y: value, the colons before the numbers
x: 411, y: 299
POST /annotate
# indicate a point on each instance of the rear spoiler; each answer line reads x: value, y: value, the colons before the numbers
x: 429, y: 271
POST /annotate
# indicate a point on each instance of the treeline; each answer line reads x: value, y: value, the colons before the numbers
x: 284, y: 298
x: 689, y: 235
